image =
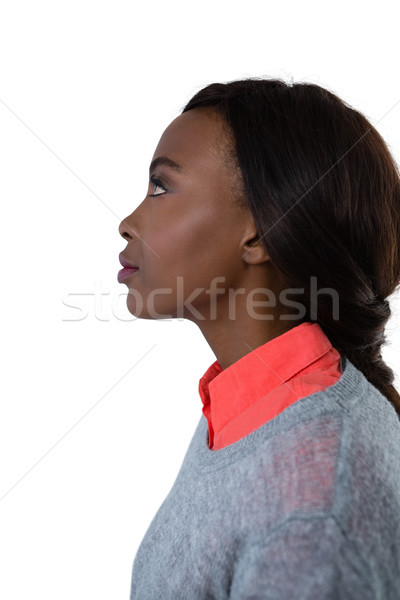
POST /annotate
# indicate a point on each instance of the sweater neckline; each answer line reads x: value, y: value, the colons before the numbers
x: 264, y: 382
x: 351, y: 385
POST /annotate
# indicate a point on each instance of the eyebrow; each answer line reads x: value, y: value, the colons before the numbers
x: 165, y: 162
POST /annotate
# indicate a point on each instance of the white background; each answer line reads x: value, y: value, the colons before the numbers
x: 97, y: 407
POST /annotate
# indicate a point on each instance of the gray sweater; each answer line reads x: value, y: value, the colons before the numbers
x: 305, y: 507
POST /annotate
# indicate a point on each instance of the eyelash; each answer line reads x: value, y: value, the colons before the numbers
x: 157, y: 183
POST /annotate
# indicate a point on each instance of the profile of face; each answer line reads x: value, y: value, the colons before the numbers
x: 188, y: 231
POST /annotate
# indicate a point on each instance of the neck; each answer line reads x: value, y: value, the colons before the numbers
x: 231, y: 340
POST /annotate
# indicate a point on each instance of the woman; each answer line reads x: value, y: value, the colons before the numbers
x: 272, y: 221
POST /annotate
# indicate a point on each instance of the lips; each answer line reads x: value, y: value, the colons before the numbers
x: 125, y: 263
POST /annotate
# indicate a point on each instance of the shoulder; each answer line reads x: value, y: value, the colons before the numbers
x: 334, y: 454
x: 323, y: 500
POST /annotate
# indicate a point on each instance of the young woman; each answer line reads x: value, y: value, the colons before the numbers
x: 272, y: 221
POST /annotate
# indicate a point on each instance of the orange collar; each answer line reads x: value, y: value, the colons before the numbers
x: 227, y: 393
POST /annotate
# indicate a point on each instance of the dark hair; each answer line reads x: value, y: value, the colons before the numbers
x: 324, y: 192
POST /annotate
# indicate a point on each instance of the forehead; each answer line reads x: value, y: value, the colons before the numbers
x: 198, y: 136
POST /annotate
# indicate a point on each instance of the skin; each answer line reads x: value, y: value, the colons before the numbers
x: 195, y: 230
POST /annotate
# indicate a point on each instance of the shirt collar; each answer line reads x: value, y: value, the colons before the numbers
x: 225, y: 393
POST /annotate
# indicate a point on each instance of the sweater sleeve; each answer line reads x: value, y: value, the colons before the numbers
x: 306, y: 559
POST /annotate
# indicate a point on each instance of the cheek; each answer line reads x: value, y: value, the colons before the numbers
x: 180, y: 240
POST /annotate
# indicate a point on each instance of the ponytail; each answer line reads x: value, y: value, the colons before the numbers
x: 362, y: 346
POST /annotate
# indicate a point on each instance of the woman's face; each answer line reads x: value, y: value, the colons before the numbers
x: 187, y: 231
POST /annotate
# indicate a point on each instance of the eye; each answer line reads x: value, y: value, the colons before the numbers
x: 157, y: 183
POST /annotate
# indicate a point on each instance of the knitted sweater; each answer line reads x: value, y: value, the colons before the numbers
x: 305, y: 507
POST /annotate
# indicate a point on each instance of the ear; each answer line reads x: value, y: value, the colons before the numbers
x: 253, y: 251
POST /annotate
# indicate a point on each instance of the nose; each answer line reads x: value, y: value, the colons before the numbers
x: 126, y: 230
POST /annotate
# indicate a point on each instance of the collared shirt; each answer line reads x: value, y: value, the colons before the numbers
x: 306, y: 506
x: 260, y: 385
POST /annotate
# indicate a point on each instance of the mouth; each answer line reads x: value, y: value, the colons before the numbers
x: 125, y: 273
x: 128, y: 269
x: 125, y: 263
